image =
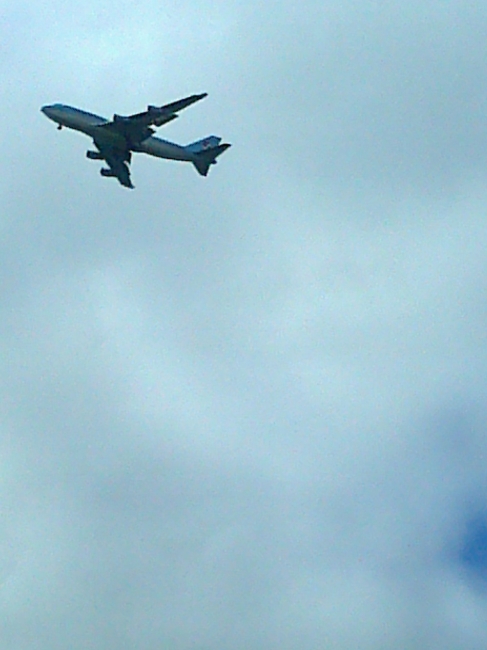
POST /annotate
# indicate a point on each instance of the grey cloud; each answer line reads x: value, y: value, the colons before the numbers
x: 246, y: 411
x: 371, y: 94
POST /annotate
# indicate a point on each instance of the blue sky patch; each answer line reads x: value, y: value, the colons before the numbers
x: 474, y: 551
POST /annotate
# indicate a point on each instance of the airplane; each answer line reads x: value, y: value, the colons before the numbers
x: 115, y: 140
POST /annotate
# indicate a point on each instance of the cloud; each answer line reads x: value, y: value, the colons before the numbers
x: 248, y: 410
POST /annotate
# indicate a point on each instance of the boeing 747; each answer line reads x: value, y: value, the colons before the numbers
x: 115, y: 140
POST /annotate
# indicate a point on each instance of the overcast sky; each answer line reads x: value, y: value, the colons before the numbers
x: 248, y: 411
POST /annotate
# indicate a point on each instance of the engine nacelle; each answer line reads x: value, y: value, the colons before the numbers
x: 94, y: 155
x: 107, y: 172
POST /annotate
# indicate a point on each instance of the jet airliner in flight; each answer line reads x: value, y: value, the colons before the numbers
x: 116, y: 139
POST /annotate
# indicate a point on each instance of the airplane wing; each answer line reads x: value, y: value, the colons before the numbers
x: 136, y: 128
x: 118, y: 163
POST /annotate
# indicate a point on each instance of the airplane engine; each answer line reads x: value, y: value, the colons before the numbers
x: 94, y: 155
x: 107, y: 172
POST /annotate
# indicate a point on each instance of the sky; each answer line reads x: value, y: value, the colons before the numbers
x: 246, y: 411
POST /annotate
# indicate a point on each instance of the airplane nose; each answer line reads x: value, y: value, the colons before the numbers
x: 47, y: 110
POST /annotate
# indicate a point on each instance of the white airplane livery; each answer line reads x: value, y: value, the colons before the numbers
x: 115, y: 140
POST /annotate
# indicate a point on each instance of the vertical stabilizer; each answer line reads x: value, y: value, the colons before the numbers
x: 205, y: 143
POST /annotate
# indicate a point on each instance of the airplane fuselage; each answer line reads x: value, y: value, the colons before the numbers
x: 89, y: 123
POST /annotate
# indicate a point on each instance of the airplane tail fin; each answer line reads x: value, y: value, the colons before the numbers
x: 206, y: 157
x: 201, y: 145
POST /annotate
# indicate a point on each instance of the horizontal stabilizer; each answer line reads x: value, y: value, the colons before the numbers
x: 207, y: 157
x: 201, y: 145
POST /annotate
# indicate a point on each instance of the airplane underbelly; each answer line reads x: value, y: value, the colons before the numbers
x: 163, y: 149
x: 81, y: 123
x: 109, y: 138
